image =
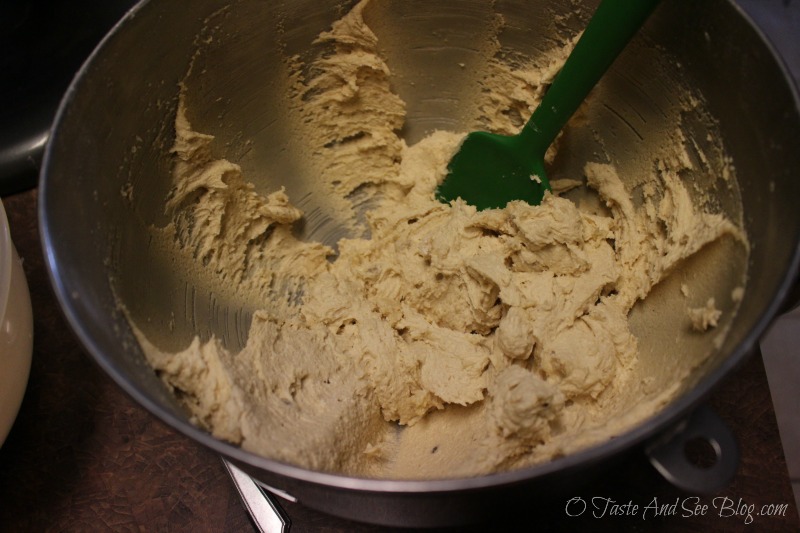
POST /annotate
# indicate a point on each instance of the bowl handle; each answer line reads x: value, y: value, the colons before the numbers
x: 668, y: 453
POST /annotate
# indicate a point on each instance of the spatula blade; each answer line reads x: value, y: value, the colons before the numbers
x: 488, y: 172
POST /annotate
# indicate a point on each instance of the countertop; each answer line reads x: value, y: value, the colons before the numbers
x: 82, y: 456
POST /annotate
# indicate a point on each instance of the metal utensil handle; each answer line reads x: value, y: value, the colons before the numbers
x: 267, y: 515
x: 668, y: 453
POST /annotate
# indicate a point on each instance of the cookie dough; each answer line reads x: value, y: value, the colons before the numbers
x: 705, y: 317
x: 445, y: 341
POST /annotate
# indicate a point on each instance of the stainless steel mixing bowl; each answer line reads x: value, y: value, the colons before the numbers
x: 107, y: 173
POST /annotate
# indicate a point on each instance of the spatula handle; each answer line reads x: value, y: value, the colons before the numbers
x: 611, y: 28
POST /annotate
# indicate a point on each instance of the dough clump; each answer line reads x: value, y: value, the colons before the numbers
x: 446, y: 341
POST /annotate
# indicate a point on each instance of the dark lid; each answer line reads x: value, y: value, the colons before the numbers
x: 42, y: 45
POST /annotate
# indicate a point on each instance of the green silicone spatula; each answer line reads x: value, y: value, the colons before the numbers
x: 490, y: 170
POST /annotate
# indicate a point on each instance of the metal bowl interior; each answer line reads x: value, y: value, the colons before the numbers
x: 114, y: 131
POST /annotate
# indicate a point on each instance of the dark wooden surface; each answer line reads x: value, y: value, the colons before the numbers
x: 83, y: 457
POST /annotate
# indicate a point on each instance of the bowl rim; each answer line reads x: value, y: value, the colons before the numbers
x: 6, y: 254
